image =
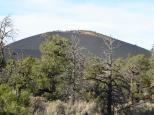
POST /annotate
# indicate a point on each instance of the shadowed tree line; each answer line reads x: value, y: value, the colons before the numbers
x: 65, y: 73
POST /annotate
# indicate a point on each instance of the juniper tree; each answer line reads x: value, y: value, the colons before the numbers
x: 93, y: 67
x: 20, y: 74
x: 136, y: 71
x: 150, y: 81
x: 16, y: 77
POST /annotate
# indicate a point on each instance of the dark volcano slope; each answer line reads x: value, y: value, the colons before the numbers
x: 92, y: 41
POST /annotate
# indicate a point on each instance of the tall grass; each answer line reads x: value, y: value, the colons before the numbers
x: 39, y: 106
x: 78, y: 108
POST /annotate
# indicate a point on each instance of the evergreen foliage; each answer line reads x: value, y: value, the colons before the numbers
x: 65, y: 73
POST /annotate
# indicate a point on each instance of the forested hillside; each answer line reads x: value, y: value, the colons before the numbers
x: 64, y: 80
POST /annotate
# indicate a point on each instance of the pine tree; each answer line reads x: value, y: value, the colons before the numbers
x: 48, y: 70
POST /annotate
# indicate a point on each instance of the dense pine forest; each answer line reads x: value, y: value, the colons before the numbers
x: 67, y: 81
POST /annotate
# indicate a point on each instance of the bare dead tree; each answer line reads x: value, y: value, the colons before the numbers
x: 111, y: 79
x: 75, y: 69
x: 6, y: 32
x: 152, y: 55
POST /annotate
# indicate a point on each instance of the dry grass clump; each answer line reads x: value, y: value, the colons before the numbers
x: 78, y: 108
x: 37, y: 106
x: 145, y: 108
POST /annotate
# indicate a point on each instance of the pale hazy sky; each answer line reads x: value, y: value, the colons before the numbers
x: 128, y: 20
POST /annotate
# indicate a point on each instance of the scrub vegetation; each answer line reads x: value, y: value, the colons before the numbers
x: 65, y: 80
